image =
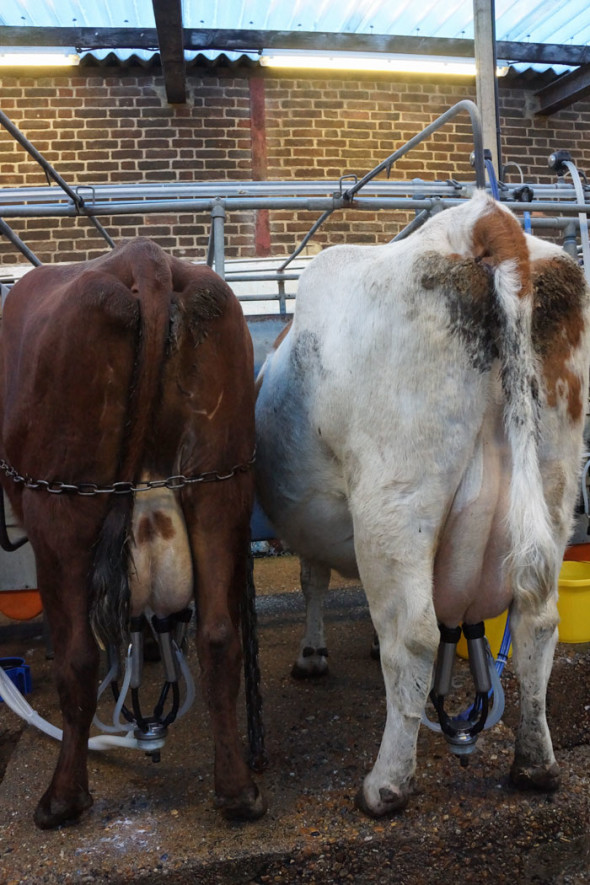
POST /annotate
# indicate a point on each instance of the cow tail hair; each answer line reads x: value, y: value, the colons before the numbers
x: 110, y: 589
x: 110, y: 592
x: 533, y: 561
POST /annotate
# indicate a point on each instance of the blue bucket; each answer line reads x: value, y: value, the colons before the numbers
x: 18, y: 672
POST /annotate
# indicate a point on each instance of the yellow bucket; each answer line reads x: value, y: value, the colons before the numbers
x: 494, y: 635
x: 573, y: 605
x: 574, y: 602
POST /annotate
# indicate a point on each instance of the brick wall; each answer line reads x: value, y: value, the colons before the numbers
x: 106, y: 126
x: 120, y: 129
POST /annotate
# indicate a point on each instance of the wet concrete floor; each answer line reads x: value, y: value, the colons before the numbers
x: 157, y: 822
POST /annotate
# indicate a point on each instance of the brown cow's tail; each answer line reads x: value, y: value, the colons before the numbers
x: 533, y: 562
x: 146, y: 272
x: 110, y: 592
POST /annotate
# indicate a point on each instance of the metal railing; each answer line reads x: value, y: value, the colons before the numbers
x: 564, y: 203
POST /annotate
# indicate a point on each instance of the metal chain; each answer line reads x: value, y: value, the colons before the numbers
x: 87, y: 489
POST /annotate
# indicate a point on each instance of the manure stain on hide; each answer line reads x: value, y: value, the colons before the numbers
x: 466, y: 286
x: 306, y: 353
x: 199, y: 297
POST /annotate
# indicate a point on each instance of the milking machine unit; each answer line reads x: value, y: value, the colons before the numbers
x: 461, y: 731
x: 131, y: 728
x: 148, y: 733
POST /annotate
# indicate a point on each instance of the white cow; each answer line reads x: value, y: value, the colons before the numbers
x: 420, y: 426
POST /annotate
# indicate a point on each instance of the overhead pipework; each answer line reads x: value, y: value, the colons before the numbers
x: 559, y: 206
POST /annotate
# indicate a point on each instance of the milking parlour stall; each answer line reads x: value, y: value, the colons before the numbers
x: 294, y: 442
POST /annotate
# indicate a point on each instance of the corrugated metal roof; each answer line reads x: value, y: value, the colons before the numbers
x: 561, y: 21
x: 535, y: 21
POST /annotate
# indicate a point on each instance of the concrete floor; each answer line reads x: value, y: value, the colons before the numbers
x: 156, y: 822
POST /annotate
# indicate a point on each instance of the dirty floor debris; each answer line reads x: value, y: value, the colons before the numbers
x: 154, y: 823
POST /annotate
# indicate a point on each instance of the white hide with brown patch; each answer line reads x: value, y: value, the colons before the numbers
x: 421, y: 426
x: 161, y: 571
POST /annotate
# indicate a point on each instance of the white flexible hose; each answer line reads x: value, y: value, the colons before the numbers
x: 117, y: 724
x: 106, y: 741
x: 102, y: 726
x: 188, y: 681
x: 19, y: 705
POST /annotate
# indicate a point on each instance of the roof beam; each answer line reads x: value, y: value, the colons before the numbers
x: 486, y: 83
x: 564, y: 91
x: 250, y: 40
x: 168, y: 16
x: 81, y: 38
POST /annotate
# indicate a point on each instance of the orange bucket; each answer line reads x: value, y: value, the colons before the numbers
x: 21, y: 605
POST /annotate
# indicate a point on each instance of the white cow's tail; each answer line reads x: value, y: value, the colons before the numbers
x: 533, y: 559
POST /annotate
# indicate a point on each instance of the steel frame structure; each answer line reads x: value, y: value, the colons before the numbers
x: 565, y: 206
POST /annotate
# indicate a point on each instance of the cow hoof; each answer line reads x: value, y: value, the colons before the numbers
x: 249, y: 805
x: 531, y: 777
x: 51, y: 813
x: 311, y: 663
x: 389, y: 802
x: 310, y: 669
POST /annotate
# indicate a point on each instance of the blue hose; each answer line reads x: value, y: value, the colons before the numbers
x: 499, y: 664
x: 492, y: 179
x: 504, y: 648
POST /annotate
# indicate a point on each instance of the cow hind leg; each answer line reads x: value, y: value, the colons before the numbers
x: 220, y: 563
x: 236, y: 795
x: 76, y: 671
x: 400, y: 602
x: 534, y: 636
x: 313, y: 654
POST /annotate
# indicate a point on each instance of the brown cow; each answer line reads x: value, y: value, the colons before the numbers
x: 130, y: 368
